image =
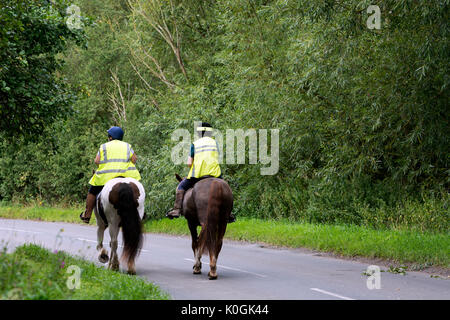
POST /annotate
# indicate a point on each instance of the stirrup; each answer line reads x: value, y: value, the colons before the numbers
x: 171, y: 216
x: 84, y: 219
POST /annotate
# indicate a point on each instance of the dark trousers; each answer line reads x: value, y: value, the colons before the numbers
x: 95, y: 190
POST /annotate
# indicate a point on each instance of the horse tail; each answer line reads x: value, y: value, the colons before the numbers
x: 209, y: 236
x: 130, y: 221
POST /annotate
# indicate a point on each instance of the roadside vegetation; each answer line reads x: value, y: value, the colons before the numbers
x: 362, y: 114
x: 402, y: 246
x: 34, y: 273
x: 397, y: 244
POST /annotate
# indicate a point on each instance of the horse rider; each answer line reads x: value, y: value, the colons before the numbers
x: 114, y: 159
x: 203, y: 162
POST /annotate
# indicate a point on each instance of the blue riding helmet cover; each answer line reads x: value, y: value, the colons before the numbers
x: 116, y: 133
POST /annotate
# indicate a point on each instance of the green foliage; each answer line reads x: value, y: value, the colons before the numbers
x: 32, y: 36
x: 34, y: 273
x: 362, y: 113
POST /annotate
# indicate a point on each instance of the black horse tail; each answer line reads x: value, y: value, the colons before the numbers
x: 209, y: 238
x: 130, y: 222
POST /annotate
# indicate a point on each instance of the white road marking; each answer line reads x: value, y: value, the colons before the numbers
x: 38, y: 232
x: 229, y: 268
x: 121, y: 246
x: 19, y: 230
x: 331, y: 294
x: 87, y: 240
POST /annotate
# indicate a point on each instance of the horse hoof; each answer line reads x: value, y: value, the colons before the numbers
x: 103, y: 258
x: 211, y: 277
x: 197, y: 269
x: 132, y: 272
x: 114, y: 267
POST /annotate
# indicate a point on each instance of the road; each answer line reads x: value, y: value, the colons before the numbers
x: 246, y: 271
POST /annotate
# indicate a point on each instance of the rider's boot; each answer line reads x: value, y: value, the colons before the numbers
x: 176, y: 212
x: 90, y: 203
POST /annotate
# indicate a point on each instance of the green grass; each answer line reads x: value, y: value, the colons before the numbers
x: 34, y: 273
x: 42, y: 213
x: 402, y: 246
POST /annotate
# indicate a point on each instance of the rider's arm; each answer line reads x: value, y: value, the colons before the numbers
x: 190, y: 162
x: 133, y: 156
x: 97, y: 159
x: 191, y: 156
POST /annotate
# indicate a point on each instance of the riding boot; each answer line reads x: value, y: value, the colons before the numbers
x: 90, y: 203
x: 231, y: 218
x: 176, y: 212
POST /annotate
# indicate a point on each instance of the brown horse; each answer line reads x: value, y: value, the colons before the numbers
x: 208, y: 204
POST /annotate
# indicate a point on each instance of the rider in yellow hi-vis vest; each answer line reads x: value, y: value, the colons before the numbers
x: 203, y: 163
x: 114, y: 159
x: 206, y: 159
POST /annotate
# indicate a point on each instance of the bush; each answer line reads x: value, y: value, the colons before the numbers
x: 362, y: 113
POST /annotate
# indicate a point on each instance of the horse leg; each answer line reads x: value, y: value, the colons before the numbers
x: 101, y: 226
x: 214, y: 253
x: 212, y: 274
x: 103, y: 255
x: 213, y: 256
x: 198, y: 264
x: 114, y: 232
x: 131, y: 267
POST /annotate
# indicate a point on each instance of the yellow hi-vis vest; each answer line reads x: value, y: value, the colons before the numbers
x: 115, y: 161
x: 206, y: 159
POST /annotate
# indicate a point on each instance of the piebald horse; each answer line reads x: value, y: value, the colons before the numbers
x: 208, y: 204
x: 120, y: 204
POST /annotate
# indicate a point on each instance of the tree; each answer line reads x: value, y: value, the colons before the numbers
x: 33, y: 35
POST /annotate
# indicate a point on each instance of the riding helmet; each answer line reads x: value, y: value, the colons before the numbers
x: 116, y: 133
x: 205, y: 126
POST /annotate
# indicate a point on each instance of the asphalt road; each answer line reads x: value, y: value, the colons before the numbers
x: 246, y: 271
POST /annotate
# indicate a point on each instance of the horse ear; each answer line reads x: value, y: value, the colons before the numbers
x: 178, y: 177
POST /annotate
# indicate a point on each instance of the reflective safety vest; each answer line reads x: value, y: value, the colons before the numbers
x: 206, y: 159
x: 115, y: 161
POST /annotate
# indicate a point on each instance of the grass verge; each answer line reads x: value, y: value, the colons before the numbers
x: 34, y: 273
x: 402, y: 246
x: 42, y: 213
